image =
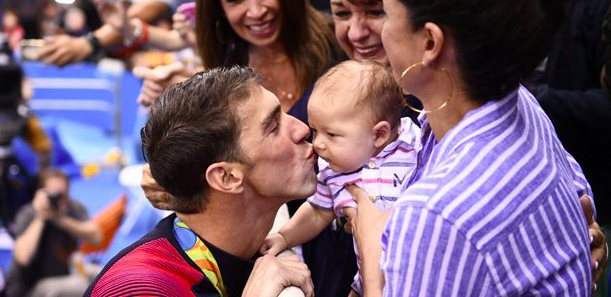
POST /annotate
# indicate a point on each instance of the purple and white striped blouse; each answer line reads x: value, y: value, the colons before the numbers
x: 492, y: 210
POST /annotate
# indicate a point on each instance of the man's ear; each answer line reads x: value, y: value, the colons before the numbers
x: 382, y: 133
x: 226, y: 177
x: 434, y: 40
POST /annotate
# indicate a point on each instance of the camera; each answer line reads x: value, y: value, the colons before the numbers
x: 54, y: 199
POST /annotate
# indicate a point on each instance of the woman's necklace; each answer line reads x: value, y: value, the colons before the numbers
x: 281, y: 93
x: 276, y: 73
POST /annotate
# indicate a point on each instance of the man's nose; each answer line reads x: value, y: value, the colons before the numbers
x: 256, y: 9
x: 300, y: 131
x: 359, y: 29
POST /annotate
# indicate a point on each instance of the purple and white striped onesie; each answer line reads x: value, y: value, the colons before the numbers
x: 382, y: 177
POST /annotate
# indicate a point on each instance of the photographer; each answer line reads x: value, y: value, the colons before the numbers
x: 47, y: 232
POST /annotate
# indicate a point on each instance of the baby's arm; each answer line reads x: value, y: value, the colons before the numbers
x: 307, y: 222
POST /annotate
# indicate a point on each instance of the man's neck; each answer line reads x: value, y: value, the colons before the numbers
x: 233, y: 224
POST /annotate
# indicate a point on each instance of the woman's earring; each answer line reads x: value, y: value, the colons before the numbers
x: 445, y: 103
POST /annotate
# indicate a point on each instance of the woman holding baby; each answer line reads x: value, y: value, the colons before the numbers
x: 493, y: 206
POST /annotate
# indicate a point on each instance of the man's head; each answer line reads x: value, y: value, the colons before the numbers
x: 354, y: 110
x: 210, y: 133
x: 56, y: 185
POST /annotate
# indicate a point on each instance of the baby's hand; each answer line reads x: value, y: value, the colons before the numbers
x: 273, y: 244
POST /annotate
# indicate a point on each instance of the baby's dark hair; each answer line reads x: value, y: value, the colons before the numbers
x: 375, y: 87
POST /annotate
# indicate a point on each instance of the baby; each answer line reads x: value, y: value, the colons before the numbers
x: 355, y: 116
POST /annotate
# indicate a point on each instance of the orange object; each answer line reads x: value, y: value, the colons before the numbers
x: 108, y: 220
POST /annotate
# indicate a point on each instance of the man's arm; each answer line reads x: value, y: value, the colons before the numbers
x: 27, y: 241
x: 64, y: 49
x: 26, y: 244
x: 85, y: 230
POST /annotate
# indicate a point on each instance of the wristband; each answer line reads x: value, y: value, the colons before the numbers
x: 96, y: 47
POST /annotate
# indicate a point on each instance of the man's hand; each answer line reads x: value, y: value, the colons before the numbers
x: 273, y: 244
x: 272, y: 274
x: 63, y: 49
x: 598, y: 245
x: 42, y: 205
x: 156, y: 80
x: 155, y: 193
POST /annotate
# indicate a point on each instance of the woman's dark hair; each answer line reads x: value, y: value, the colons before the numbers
x: 498, y: 42
x: 306, y: 35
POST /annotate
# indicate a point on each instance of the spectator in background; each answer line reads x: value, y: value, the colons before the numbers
x: 12, y: 29
x: 64, y: 49
x: 568, y: 87
x: 49, y: 24
x: 17, y: 185
x: 75, y: 22
x: 47, y: 232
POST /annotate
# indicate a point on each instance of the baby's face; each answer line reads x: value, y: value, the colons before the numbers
x: 342, y: 134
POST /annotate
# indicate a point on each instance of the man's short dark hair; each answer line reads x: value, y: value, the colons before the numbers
x: 49, y: 173
x: 193, y: 125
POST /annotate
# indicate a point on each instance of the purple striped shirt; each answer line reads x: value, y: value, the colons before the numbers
x: 491, y: 210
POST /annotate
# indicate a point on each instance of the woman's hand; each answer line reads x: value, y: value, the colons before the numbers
x: 368, y: 225
x: 368, y: 221
x: 598, y: 245
x: 184, y: 27
x: 114, y: 14
x: 156, y: 80
x: 155, y: 193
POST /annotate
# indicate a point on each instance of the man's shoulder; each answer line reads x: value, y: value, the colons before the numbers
x: 24, y: 216
x: 152, y: 264
x: 77, y: 210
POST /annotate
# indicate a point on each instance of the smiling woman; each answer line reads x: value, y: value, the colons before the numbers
x: 287, y: 41
x: 358, y: 24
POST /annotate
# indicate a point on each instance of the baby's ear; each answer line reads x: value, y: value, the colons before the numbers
x: 382, y: 133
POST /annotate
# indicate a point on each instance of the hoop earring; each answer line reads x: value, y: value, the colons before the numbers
x: 445, y: 103
x: 218, y: 33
